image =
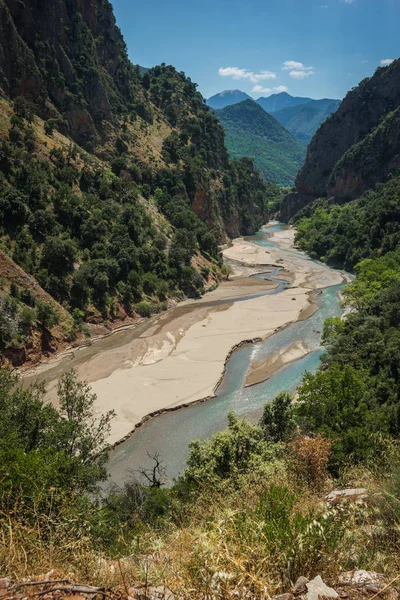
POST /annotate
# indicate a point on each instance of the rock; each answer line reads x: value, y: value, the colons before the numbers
x: 317, y: 589
x: 350, y: 495
x: 151, y: 593
x: 360, y: 578
x: 5, y: 583
x: 300, y: 587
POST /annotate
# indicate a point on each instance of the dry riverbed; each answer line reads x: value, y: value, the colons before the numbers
x: 178, y: 357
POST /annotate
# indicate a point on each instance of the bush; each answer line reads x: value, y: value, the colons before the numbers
x: 146, y: 309
x: 46, y: 315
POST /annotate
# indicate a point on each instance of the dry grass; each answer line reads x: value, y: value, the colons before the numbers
x: 253, y: 542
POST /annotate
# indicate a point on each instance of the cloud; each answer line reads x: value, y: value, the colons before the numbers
x: 349, y: 1
x: 297, y: 69
x: 300, y: 74
x: 385, y: 62
x: 259, y: 89
x: 364, y: 62
x: 237, y: 73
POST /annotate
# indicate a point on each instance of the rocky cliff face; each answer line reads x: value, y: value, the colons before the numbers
x: 357, y: 146
x: 69, y: 58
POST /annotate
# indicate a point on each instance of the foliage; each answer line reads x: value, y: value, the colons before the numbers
x: 237, y: 451
x: 277, y: 419
x: 250, y: 131
x: 43, y: 449
x: 344, y: 235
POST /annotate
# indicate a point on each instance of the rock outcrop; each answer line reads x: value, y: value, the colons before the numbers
x: 356, y: 148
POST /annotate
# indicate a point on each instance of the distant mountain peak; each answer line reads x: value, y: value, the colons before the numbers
x: 279, y: 101
x: 227, y: 98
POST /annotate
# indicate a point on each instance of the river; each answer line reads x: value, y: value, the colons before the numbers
x: 170, y: 434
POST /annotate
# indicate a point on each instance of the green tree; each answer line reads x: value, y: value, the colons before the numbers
x: 277, y: 420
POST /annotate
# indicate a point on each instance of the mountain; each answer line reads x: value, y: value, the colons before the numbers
x: 227, y: 98
x: 116, y: 188
x: 303, y: 120
x: 356, y: 148
x: 250, y: 131
x: 280, y: 101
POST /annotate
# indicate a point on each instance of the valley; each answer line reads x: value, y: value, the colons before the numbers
x: 199, y: 301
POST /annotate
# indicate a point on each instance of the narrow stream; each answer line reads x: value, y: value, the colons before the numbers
x: 170, y: 434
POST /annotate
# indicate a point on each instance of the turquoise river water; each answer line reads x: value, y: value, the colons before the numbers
x: 170, y: 434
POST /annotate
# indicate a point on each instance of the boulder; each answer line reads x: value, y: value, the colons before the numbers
x: 317, y: 589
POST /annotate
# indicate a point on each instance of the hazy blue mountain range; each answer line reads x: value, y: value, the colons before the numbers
x: 280, y: 101
x: 303, y: 120
x: 251, y: 131
x: 227, y: 98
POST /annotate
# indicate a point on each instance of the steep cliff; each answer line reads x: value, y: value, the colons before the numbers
x: 357, y: 147
x: 69, y: 58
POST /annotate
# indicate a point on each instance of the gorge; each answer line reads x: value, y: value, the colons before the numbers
x: 178, y: 357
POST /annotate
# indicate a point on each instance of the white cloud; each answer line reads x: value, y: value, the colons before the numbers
x: 385, y: 62
x: 300, y: 74
x: 259, y: 89
x: 297, y: 69
x: 349, y: 1
x: 237, y: 73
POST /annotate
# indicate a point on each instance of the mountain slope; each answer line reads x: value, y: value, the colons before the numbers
x: 303, y: 120
x: 250, y: 131
x: 226, y: 98
x: 280, y: 101
x: 355, y: 148
x: 115, y: 188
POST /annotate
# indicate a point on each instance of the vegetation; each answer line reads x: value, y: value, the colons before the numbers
x: 246, y: 517
x: 250, y: 131
x: 303, y: 120
x: 344, y: 235
x: 106, y: 238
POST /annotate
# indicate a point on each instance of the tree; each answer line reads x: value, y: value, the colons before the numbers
x: 239, y: 450
x: 155, y: 476
x: 83, y: 435
x: 277, y: 419
x: 46, y: 315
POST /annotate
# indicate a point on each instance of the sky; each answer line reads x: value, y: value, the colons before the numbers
x: 313, y: 48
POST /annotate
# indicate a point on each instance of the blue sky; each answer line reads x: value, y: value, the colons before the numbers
x: 316, y: 48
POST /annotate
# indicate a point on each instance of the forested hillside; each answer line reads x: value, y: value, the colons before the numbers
x: 116, y: 187
x: 250, y: 131
x: 303, y: 120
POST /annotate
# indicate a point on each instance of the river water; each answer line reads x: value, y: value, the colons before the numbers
x: 170, y: 434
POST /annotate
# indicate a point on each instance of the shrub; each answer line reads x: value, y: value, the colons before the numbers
x: 310, y: 458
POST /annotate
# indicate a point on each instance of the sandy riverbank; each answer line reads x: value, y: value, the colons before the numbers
x: 261, y: 370
x: 179, y: 356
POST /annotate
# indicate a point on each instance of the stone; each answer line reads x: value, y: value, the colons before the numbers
x: 5, y: 583
x: 317, y: 589
x: 350, y: 495
x: 361, y: 577
x: 300, y: 586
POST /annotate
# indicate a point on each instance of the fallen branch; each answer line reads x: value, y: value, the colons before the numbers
x: 44, y: 582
